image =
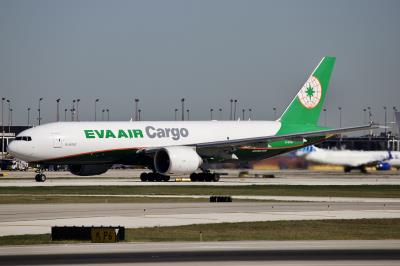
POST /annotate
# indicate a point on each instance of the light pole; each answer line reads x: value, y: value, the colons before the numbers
x: 40, y: 118
x: 187, y: 114
x: 136, y: 109
x: 183, y: 108
x: 325, y: 120
x: 65, y: 114
x: 274, y: 109
x: 394, y: 116
x: 211, y: 113
x: 176, y: 110
x: 29, y: 109
x: 9, y: 107
x: 102, y: 114
x: 385, y: 108
x: 230, y: 115
x: 365, y: 115
x: 77, y: 109
x: 340, y: 116
x: 140, y: 110
x: 73, y: 110
x: 11, y: 110
x: 243, y: 110
x: 250, y: 113
x: 58, y: 109
x: 234, y: 109
x: 10, y: 119
x: 369, y: 114
x: 2, y: 125
x: 220, y: 113
x: 95, y: 108
x: 108, y: 114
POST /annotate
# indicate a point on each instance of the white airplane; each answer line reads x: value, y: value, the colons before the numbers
x: 180, y: 147
x: 351, y: 159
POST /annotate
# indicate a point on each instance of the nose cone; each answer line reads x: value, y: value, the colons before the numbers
x: 11, y: 148
x: 18, y: 150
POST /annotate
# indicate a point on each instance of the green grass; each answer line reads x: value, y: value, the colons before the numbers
x: 256, y: 190
x: 362, y: 229
x: 25, y: 239
x: 273, y: 230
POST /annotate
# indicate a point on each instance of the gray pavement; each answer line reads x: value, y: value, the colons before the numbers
x: 385, y: 252
x: 38, y: 218
x: 253, y: 177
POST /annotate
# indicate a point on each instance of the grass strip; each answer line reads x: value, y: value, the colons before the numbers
x: 382, y: 191
x: 358, y: 229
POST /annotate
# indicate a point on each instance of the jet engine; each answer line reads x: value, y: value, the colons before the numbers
x: 177, y: 160
x: 88, y: 169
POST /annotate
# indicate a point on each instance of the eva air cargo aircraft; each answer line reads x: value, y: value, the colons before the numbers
x: 180, y: 147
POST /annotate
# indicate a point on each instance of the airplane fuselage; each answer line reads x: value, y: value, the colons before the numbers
x: 78, y: 142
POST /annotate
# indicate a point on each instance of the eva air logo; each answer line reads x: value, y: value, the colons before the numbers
x: 310, y: 93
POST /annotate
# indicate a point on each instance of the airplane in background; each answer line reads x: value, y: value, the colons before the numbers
x: 180, y: 147
x: 351, y: 159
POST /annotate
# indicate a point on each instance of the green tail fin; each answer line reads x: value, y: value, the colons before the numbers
x: 305, y: 108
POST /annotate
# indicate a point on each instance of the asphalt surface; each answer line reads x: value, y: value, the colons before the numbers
x: 201, y: 253
x: 17, y: 219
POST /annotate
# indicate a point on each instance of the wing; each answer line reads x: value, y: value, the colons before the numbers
x: 293, y: 136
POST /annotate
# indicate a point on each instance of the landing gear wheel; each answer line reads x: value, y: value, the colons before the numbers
x: 154, y: 177
x: 204, y: 177
x: 166, y: 178
x: 208, y: 177
x: 40, y: 178
x: 194, y: 177
x: 216, y: 177
x: 144, y: 177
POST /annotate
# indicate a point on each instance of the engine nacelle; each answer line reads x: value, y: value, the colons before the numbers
x: 88, y: 169
x: 177, y: 160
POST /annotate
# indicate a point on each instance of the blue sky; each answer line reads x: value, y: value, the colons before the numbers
x: 259, y: 52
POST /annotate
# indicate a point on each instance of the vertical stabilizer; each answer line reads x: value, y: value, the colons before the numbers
x: 306, y: 107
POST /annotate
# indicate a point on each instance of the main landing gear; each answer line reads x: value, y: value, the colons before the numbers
x: 195, y: 177
x: 204, y: 177
x: 40, y: 177
x: 154, y: 177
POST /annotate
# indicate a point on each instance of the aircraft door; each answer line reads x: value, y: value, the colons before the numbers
x: 58, y: 141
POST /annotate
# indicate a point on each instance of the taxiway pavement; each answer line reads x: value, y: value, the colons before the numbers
x: 17, y: 219
x: 130, y: 177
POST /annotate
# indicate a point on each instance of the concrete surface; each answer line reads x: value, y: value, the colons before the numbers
x: 282, y: 177
x: 18, y: 219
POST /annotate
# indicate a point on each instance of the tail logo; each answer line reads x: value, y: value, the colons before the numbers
x: 311, y: 92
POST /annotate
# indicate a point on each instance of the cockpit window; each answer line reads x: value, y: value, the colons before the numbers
x: 23, y: 138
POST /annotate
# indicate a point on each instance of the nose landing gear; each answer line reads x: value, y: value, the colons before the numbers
x: 40, y: 176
